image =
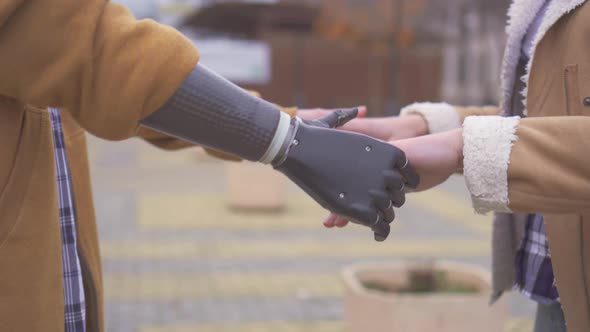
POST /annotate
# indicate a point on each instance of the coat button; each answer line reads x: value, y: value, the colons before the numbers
x: 587, y: 101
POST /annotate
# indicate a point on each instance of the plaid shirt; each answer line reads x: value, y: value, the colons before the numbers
x: 74, y: 302
x: 534, y: 272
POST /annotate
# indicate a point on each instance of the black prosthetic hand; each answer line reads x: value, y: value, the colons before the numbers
x: 350, y: 174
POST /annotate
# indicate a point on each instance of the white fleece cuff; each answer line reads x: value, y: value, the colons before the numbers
x: 487, y: 144
x: 440, y: 117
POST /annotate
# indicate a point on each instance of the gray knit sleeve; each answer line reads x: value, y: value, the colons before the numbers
x: 211, y: 111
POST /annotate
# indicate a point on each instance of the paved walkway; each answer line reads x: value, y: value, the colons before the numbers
x: 177, y: 259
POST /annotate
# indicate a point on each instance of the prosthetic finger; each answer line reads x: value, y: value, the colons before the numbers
x: 336, y: 119
x: 383, y: 204
x: 380, y: 226
x: 411, y: 177
x: 395, y: 187
x: 382, y: 230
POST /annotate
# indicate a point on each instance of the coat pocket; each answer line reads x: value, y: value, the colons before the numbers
x: 577, y: 90
x: 31, y: 279
x: 33, y: 127
x: 573, y: 102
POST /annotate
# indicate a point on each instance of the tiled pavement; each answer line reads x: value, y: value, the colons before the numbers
x: 177, y: 259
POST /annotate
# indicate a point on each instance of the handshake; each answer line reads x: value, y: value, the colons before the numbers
x: 354, y: 173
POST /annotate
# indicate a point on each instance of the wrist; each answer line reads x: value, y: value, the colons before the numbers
x: 281, y: 140
x: 418, y: 124
x: 456, y: 138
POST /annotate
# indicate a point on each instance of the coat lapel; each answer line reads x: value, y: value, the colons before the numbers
x: 520, y: 17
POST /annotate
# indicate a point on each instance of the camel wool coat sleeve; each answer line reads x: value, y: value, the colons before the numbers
x: 93, y: 58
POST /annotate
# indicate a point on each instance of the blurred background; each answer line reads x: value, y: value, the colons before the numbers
x: 191, y: 243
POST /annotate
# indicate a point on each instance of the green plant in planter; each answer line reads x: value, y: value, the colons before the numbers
x: 423, y: 280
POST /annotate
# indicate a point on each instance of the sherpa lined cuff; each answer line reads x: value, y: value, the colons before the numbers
x: 487, y: 144
x: 440, y: 117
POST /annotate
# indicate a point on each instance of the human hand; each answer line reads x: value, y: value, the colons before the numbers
x: 368, y: 180
x: 386, y: 128
x: 434, y: 157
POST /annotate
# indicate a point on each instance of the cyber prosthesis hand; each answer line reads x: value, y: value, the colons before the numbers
x: 369, y: 177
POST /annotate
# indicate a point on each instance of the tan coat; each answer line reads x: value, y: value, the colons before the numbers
x: 92, y: 58
x: 108, y: 71
x: 540, y: 163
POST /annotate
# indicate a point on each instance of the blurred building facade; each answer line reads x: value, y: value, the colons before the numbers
x: 473, y: 43
x: 469, y: 34
x: 330, y: 53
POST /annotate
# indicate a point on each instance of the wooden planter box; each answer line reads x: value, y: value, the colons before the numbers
x: 252, y: 186
x: 378, y: 311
